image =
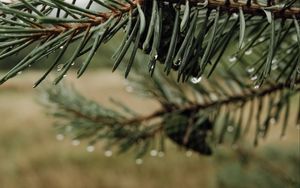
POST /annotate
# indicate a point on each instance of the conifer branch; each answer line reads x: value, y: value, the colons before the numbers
x: 23, y: 21
x: 189, y: 123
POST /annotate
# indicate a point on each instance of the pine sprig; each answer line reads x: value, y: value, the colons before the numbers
x: 196, y: 117
x: 193, y: 44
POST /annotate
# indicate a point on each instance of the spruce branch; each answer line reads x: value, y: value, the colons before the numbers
x: 191, y: 122
x: 196, y: 39
x: 207, y: 29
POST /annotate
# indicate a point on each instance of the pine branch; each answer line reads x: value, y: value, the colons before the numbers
x: 192, y: 38
x: 192, y: 124
x: 149, y: 25
x: 244, y: 98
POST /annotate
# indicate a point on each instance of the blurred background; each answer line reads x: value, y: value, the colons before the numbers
x: 32, y: 155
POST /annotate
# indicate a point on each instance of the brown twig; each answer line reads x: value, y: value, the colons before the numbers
x: 232, y: 99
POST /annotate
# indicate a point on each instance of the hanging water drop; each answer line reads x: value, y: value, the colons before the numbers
x: 90, y: 149
x: 69, y: 128
x: 19, y: 73
x: 153, y: 153
x: 254, y: 77
x: 75, y: 142
x: 64, y: 75
x: 61, y: 47
x: 272, y: 121
x: 108, y: 153
x: 250, y: 70
x: 274, y: 67
x: 129, y: 89
x: 256, y: 86
x: 59, y: 67
x: 213, y: 96
x: 248, y: 52
x: 151, y: 68
x: 274, y: 61
x: 177, y: 63
x: 232, y: 59
x: 235, y: 15
x: 294, y: 37
x: 60, y: 137
x: 188, y: 153
x: 196, y: 80
x: 230, y: 128
x: 139, y: 161
x: 261, y: 39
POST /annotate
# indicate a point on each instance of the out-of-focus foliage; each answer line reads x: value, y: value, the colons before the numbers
x: 270, y: 168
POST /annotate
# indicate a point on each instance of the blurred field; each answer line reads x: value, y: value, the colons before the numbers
x: 31, y: 157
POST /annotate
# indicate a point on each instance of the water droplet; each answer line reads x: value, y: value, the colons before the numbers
x: 69, y: 128
x: 274, y: 61
x: 251, y: 69
x: 235, y: 15
x: 129, y: 89
x: 60, y: 137
x: 90, y: 149
x: 295, y: 38
x: 213, y: 96
x: 196, y: 80
x: 188, y: 153
x: 249, y: 39
x: 61, y: 47
x: 261, y: 39
x: 289, y: 51
x: 256, y: 86
x: 161, y: 154
x: 232, y: 59
x: 230, y: 128
x: 153, y: 153
x: 19, y: 73
x: 59, y: 67
x: 274, y: 67
x: 75, y: 142
x: 65, y: 76
x: 156, y: 57
x: 248, y: 52
x: 73, y: 64
x: 177, y: 63
x: 29, y: 65
x: 139, y: 161
x: 254, y: 77
x: 272, y: 121
x: 108, y: 153
x: 151, y: 68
